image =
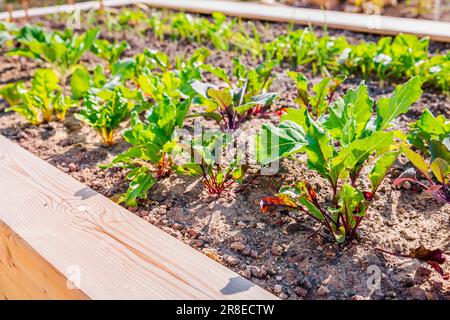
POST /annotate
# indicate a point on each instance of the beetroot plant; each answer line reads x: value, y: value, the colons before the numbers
x: 207, y: 160
x: 339, y: 146
x: 431, y: 137
x: 232, y: 104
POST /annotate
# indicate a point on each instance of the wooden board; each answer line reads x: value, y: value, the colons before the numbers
x: 53, y: 229
x: 436, y: 30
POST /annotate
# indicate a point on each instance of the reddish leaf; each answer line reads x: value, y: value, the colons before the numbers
x: 279, y: 201
x: 425, y: 254
x: 433, y: 257
x: 438, y: 269
x: 399, y: 181
x: 281, y: 111
x: 368, y: 195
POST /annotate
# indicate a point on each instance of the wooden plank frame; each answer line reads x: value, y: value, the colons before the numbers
x: 61, y: 240
x: 436, y: 30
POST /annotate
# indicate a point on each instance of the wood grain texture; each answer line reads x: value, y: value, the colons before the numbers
x: 436, y: 30
x: 116, y: 254
x: 24, y: 274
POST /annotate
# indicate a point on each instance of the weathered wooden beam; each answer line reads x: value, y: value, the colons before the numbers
x: 60, y: 239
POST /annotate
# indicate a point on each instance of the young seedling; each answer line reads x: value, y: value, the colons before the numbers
x: 105, y: 111
x: 227, y: 106
x: 39, y: 103
x: 430, y: 135
x: 236, y: 102
x: 153, y: 147
x: 109, y: 52
x: 82, y: 81
x: 435, y: 258
x: 339, y: 145
x: 323, y: 92
x: 206, y: 161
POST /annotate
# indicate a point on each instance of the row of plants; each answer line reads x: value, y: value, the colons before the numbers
x: 388, y: 59
x: 345, y: 138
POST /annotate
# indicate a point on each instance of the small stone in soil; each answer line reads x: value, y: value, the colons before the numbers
x: 277, y: 289
x: 247, y: 250
x: 198, y: 243
x: 301, y: 292
x: 193, y: 233
x: 232, y: 260
x: 408, y: 235
x: 277, y: 250
x: 254, y: 254
x: 238, y: 246
x: 73, y: 167
x: 391, y: 294
x: 254, y: 271
x: 177, y: 226
x: 262, y: 272
x: 283, y: 296
x: 323, y: 291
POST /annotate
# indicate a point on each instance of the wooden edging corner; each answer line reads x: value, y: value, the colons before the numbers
x: 436, y: 30
x: 56, y: 235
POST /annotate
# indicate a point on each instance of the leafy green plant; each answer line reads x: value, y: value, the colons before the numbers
x: 390, y: 58
x: 304, y: 47
x: 104, y: 111
x: 44, y: 99
x: 110, y: 52
x: 439, y: 167
x: 153, y: 147
x: 246, y: 97
x: 339, y: 145
x: 7, y: 31
x: 82, y: 81
x: 431, y: 136
x: 227, y: 105
x: 62, y: 50
x: 11, y: 92
x: 207, y: 161
x: 132, y: 68
x: 318, y: 102
x: 153, y: 139
x: 435, y: 72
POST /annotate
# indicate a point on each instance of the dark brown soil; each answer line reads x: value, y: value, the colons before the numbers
x: 232, y: 230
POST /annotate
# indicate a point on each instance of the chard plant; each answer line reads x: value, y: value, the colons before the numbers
x: 153, y: 140
x: 317, y: 101
x: 61, y: 50
x: 207, y: 161
x: 304, y: 47
x: 153, y: 146
x: 339, y: 145
x: 82, y: 81
x: 104, y: 111
x: 435, y: 72
x: 109, y: 52
x: 11, y: 92
x: 431, y: 136
x: 42, y: 101
x: 131, y: 68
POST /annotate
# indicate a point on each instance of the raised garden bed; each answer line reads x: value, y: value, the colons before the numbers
x: 230, y: 228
